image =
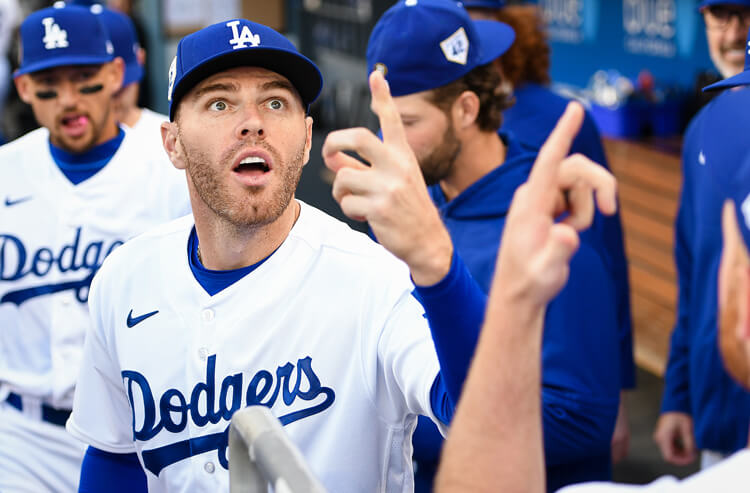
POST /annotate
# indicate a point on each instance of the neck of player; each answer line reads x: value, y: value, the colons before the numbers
x: 480, y: 153
x: 225, y: 246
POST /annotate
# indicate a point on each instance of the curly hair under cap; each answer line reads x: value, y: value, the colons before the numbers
x: 527, y: 60
x: 485, y: 82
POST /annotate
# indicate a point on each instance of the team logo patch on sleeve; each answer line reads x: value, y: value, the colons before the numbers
x: 456, y: 47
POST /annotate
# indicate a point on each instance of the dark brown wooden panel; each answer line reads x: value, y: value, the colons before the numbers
x: 659, y: 260
x: 649, y: 185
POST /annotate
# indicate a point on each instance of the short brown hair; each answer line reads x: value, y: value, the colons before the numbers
x: 485, y: 82
x: 527, y: 60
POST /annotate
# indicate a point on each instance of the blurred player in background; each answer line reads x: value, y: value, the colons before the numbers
x: 536, y: 109
x: 491, y: 451
x: 703, y: 409
x: 438, y: 64
x: 143, y: 122
x: 72, y: 191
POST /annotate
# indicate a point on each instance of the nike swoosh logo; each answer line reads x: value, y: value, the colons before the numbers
x: 9, y: 202
x: 133, y: 321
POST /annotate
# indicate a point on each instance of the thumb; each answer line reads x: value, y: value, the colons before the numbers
x: 686, y: 433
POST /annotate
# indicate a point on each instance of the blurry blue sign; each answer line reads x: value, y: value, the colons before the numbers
x: 666, y: 37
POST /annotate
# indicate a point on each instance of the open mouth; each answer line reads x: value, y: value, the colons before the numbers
x: 75, y: 124
x: 252, y: 165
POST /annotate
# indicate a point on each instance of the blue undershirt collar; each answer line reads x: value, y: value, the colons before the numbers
x: 80, y: 167
x: 214, y: 281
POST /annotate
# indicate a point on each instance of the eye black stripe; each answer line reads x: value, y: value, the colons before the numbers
x: 91, y: 89
x: 46, y: 94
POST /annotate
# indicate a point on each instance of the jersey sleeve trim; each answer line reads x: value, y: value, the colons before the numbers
x: 78, y: 433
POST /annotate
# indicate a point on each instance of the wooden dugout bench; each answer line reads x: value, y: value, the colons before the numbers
x: 649, y: 182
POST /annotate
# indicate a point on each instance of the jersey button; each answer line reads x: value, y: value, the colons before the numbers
x: 208, y: 315
x: 209, y: 467
x: 203, y: 353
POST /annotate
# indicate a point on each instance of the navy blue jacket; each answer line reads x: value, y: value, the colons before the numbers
x: 695, y: 380
x: 581, y: 346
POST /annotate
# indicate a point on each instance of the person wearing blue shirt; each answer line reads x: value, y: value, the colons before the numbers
x: 469, y: 462
x: 536, y: 109
x: 695, y: 412
x: 450, y: 100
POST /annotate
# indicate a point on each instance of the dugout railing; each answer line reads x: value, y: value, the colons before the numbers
x: 262, y: 455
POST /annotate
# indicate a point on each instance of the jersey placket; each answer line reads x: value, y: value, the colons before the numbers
x: 69, y: 315
x: 206, y: 466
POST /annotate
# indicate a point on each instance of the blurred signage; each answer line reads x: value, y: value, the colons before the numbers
x: 650, y: 27
x: 665, y: 37
x: 570, y: 21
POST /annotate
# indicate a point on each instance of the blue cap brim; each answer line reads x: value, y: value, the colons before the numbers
x: 483, y: 4
x: 708, y: 3
x: 300, y: 70
x: 741, y: 79
x: 62, y: 62
x: 495, y: 38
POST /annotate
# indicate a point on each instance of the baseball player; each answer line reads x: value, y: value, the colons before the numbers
x: 447, y: 95
x: 143, y: 122
x: 536, y: 108
x: 696, y: 415
x: 261, y: 299
x: 72, y: 192
x: 507, y: 455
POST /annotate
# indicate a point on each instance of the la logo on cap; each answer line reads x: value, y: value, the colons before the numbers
x: 239, y: 39
x: 456, y: 47
x: 54, y: 37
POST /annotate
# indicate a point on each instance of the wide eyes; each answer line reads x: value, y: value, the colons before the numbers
x: 218, y: 105
x: 221, y: 105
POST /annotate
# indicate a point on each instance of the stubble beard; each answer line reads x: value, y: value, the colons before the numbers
x: 246, y: 211
x: 439, y: 163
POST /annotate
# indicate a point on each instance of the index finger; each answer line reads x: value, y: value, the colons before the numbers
x: 543, y: 177
x: 385, y: 109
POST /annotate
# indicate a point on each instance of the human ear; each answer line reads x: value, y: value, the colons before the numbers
x: 465, y: 109
x: 170, y: 140
x: 23, y: 86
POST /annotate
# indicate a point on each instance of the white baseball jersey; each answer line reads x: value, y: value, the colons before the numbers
x: 325, y: 332
x: 148, y: 129
x: 53, y: 237
x: 727, y: 476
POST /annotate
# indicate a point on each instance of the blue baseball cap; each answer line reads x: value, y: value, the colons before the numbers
x: 708, y: 3
x: 741, y: 79
x: 235, y: 43
x: 483, y: 4
x: 424, y: 44
x: 63, y: 35
x: 124, y: 40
